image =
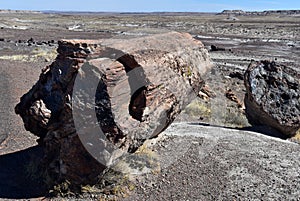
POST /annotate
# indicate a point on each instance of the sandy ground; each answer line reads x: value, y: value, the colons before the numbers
x: 18, y: 147
x: 16, y: 79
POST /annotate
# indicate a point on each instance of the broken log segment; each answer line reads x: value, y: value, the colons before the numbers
x: 101, y: 99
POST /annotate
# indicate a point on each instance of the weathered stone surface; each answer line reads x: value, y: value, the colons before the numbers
x: 273, y: 96
x: 102, y: 98
x: 216, y: 163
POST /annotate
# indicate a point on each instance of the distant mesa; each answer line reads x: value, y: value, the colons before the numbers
x: 260, y: 13
x: 235, y: 12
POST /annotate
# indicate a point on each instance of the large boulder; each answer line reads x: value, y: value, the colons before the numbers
x: 273, y: 96
x: 101, y: 99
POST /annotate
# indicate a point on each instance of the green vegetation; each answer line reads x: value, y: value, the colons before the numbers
x: 198, y: 108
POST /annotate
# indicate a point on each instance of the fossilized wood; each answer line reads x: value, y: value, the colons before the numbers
x: 273, y: 96
x: 130, y: 90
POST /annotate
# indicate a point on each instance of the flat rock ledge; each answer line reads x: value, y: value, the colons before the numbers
x: 202, y: 162
x: 273, y: 96
x: 101, y: 99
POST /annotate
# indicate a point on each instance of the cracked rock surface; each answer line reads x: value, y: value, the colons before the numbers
x: 102, y: 98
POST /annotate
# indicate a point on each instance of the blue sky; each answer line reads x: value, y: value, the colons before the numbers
x: 149, y: 5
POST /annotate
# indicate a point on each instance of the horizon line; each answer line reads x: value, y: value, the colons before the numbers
x: 86, y: 11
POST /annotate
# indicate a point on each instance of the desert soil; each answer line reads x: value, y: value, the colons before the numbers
x: 222, y: 160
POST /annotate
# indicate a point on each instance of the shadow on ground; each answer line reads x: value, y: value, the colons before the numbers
x: 19, y: 175
x: 265, y: 130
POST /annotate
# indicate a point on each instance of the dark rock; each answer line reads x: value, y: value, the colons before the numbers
x: 273, y: 96
x: 215, y: 48
x: 51, y: 42
x: 237, y: 75
x: 31, y: 40
x: 101, y: 99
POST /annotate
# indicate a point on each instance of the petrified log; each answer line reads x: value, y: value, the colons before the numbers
x: 273, y: 96
x: 102, y: 98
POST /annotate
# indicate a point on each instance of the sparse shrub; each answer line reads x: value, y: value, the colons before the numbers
x: 235, y: 118
x: 37, y: 53
x: 198, y: 109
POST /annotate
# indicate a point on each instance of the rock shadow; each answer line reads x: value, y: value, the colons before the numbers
x: 262, y: 129
x: 20, y: 177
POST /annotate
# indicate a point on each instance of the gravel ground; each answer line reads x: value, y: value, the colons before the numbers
x: 16, y: 78
x: 17, y: 149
